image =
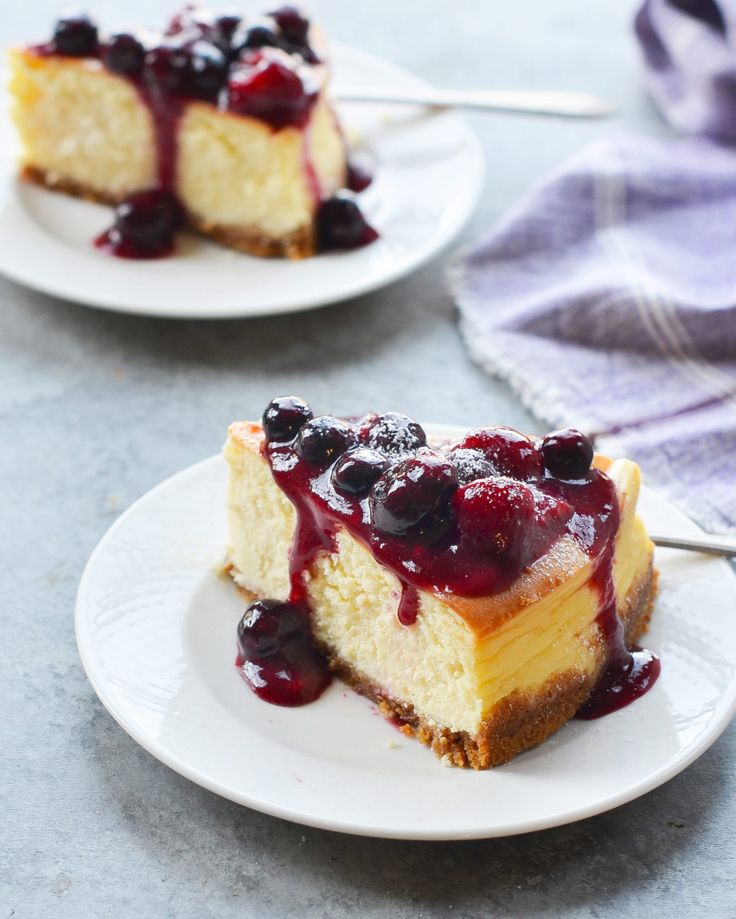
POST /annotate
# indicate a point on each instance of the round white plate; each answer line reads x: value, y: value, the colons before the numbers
x: 156, y: 633
x: 428, y: 176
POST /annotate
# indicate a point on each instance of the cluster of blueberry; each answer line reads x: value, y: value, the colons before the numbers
x: 201, y: 53
x: 486, y: 482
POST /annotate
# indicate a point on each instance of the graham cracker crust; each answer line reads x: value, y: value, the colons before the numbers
x: 520, y: 721
x: 297, y: 245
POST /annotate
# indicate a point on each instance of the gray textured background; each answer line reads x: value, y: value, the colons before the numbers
x: 97, y: 408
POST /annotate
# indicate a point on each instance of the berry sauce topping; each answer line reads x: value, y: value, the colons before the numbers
x: 466, y: 518
x: 265, y: 85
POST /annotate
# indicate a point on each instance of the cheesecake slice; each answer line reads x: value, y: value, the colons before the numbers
x: 482, y: 592
x: 220, y: 123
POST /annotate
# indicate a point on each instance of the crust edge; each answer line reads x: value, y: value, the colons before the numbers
x: 297, y: 245
x: 519, y: 721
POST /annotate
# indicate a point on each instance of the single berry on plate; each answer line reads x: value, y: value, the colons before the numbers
x: 284, y: 416
x: 391, y: 433
x: 146, y: 222
x: 295, y: 675
x: 413, y: 497
x: 341, y: 224
x: 359, y: 177
x: 124, y: 54
x: 75, y: 36
x: 512, y: 454
x: 322, y: 440
x: 267, y: 625
x: 568, y: 454
x: 356, y: 471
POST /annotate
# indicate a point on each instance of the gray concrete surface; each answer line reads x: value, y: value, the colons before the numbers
x: 97, y: 408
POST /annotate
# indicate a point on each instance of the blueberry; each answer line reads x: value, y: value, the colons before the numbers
x: 147, y: 221
x: 412, y: 498
x: 124, y: 54
x: 293, y: 24
x: 568, y: 454
x: 284, y: 416
x: 252, y: 37
x: 356, y: 471
x: 224, y: 29
x: 391, y: 432
x: 267, y: 625
x: 169, y: 66
x: 511, y: 453
x: 75, y: 36
x: 207, y: 71
x: 322, y: 440
x: 341, y: 224
x: 470, y: 464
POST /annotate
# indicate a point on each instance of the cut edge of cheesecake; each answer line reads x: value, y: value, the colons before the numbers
x: 493, y: 714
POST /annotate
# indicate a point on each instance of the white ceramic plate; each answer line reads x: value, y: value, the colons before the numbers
x: 428, y: 176
x: 156, y: 632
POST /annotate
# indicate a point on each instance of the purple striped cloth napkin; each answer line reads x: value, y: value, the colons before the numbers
x: 690, y: 54
x: 608, y: 301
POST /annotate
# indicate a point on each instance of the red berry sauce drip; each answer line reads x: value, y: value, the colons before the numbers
x: 464, y: 519
x: 629, y: 672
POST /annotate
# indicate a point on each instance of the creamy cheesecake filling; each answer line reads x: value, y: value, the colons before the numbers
x: 466, y: 663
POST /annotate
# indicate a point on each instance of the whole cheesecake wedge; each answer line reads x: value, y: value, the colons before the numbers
x: 482, y: 592
x: 221, y: 123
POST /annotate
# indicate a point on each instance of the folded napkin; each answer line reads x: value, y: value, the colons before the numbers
x: 690, y: 53
x: 608, y: 301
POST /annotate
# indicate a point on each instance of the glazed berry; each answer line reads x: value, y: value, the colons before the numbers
x: 207, y: 71
x: 124, y: 54
x: 567, y: 454
x: 470, y: 464
x: 146, y: 222
x: 75, y: 36
x: 296, y: 675
x: 494, y: 517
x: 284, y: 416
x: 412, y: 498
x: 356, y: 471
x: 322, y: 440
x: 267, y: 87
x: 391, y: 432
x: 511, y: 453
x: 359, y: 176
x: 293, y: 23
x: 224, y: 29
x: 341, y: 224
x: 252, y: 37
x: 267, y: 625
x: 169, y: 66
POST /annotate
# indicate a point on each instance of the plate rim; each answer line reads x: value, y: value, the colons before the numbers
x: 104, y: 297
x: 625, y: 795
